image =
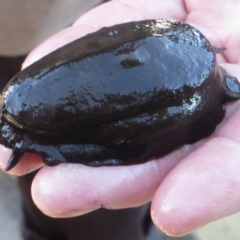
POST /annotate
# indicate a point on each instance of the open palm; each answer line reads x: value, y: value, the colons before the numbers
x: 189, y: 187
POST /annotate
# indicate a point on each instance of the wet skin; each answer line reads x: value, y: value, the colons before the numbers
x: 123, y: 95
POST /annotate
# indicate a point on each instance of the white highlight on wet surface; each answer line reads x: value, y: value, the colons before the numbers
x: 162, y: 24
x: 194, y: 102
x: 165, y: 23
x: 113, y: 33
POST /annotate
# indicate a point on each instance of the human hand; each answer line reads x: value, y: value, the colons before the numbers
x: 188, y: 188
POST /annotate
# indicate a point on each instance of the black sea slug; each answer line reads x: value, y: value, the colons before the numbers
x: 123, y: 95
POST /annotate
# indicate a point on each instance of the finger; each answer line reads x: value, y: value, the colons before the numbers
x: 205, y: 185
x: 214, y: 14
x: 73, y: 189
x: 201, y: 188
x: 221, y: 28
x: 120, y: 11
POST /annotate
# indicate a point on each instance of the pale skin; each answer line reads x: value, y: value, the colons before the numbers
x: 188, y: 188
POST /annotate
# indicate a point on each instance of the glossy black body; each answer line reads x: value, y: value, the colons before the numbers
x: 123, y: 95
